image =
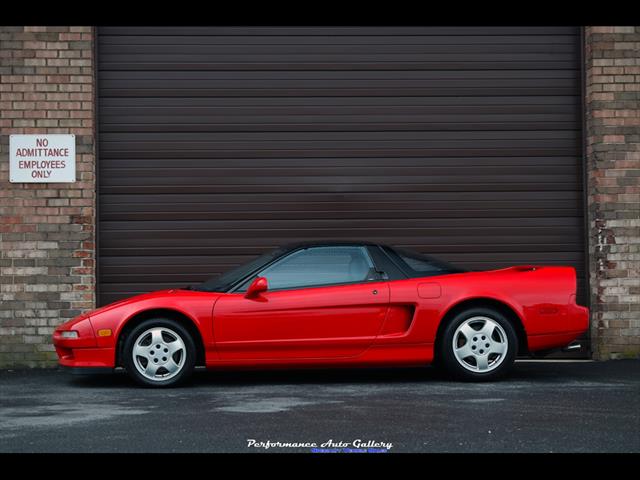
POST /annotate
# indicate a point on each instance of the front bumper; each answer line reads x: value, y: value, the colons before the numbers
x: 84, y: 357
x: 83, y: 351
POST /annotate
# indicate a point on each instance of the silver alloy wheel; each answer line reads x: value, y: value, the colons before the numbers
x: 480, y: 344
x: 159, y: 353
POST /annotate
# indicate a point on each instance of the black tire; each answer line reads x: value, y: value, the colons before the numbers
x: 447, y: 357
x: 189, y: 351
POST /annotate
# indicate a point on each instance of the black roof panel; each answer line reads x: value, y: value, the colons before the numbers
x: 326, y: 243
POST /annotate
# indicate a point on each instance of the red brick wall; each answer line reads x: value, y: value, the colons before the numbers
x: 47, y: 254
x: 613, y: 164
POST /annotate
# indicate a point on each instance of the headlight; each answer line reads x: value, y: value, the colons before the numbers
x: 69, y: 334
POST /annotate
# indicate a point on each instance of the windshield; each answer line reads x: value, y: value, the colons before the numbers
x: 223, y: 282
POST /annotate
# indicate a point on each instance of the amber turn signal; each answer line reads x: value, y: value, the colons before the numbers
x: 105, y: 332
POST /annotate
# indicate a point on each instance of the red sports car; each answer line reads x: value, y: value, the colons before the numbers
x: 332, y: 304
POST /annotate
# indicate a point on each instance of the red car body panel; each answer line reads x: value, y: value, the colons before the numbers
x: 325, y: 322
x: 372, y: 323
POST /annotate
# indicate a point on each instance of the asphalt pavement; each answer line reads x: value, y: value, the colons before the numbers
x: 543, y: 406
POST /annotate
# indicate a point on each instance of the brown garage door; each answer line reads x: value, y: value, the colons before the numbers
x: 217, y: 144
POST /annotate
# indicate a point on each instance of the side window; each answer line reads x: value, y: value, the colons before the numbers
x: 420, y: 265
x: 317, y: 266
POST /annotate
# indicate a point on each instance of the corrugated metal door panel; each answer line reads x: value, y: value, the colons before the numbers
x: 219, y: 143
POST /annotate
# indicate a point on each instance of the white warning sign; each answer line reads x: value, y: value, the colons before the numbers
x: 42, y: 158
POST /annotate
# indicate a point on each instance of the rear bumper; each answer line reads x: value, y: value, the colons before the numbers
x: 577, y: 316
x: 569, y: 326
x: 553, y: 340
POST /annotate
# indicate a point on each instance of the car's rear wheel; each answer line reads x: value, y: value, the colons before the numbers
x: 159, y: 353
x: 478, y: 344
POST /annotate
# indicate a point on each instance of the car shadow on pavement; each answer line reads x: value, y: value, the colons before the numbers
x: 206, y: 378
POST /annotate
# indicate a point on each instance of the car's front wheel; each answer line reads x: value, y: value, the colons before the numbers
x: 478, y: 344
x: 159, y: 353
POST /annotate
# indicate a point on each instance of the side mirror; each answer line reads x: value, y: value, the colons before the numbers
x: 258, y: 286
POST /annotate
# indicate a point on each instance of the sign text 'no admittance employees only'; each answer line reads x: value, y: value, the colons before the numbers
x: 42, y: 158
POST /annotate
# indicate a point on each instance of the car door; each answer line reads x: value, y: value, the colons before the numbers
x: 322, y: 302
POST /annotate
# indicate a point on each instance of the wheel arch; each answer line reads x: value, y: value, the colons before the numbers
x: 167, y: 313
x: 487, y: 302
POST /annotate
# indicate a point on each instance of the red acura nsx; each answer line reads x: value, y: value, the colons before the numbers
x: 331, y: 304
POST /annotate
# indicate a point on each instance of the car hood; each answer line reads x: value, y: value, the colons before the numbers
x: 134, y: 299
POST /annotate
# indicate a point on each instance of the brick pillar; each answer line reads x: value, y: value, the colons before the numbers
x: 47, y: 249
x: 612, y: 58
